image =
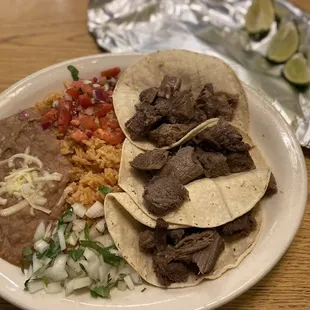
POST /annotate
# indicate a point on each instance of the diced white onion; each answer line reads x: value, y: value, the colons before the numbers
x: 124, y: 270
x: 61, y: 237
x: 113, y: 274
x: 129, y: 283
x: 48, y: 231
x: 68, y: 228
x: 89, y: 111
x: 71, y: 273
x: 35, y: 286
x: 105, y: 240
x: 55, y: 275
x: 87, y: 81
x: 41, y: 246
x: 77, y: 284
x: 79, y: 209
x: 78, y: 225
x: 101, y: 225
x: 93, y: 268
x: 93, y: 232
x: 70, y: 218
x: 41, y: 201
x: 88, y: 254
x: 96, y: 210
x: 121, y: 285
x: 53, y: 288
x: 82, y: 235
x: 29, y: 272
x: 72, y: 239
x: 74, y: 265
x: 60, y: 262
x: 136, y: 279
x: 36, y: 263
x: 115, y: 252
x: 96, y: 85
x: 84, y: 263
x: 67, y: 96
x: 40, y: 232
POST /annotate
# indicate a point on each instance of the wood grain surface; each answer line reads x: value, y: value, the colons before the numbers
x: 38, y: 33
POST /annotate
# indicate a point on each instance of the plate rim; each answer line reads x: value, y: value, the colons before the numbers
x: 286, y: 128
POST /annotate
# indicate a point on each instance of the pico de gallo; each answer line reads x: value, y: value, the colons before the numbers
x: 86, y: 109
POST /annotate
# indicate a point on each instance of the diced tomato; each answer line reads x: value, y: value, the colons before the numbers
x: 113, y: 72
x: 48, y: 118
x: 78, y: 135
x: 87, y: 122
x: 75, y: 122
x: 86, y: 88
x: 113, y: 123
x: 103, y: 108
x: 85, y: 101
x: 73, y: 92
x: 64, y: 115
x: 109, y: 136
x: 104, y: 122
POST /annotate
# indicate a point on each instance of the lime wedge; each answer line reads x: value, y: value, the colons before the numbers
x: 296, y: 70
x: 260, y: 16
x: 284, y: 43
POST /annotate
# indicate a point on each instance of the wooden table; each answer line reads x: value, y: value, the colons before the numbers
x: 38, y: 33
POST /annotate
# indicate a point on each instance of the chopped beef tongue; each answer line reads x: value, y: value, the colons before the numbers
x: 147, y: 240
x: 216, y: 104
x: 150, y: 160
x: 167, y: 134
x: 145, y: 118
x: 182, y: 107
x: 206, y: 259
x: 148, y: 95
x: 163, y: 194
x: 272, y: 186
x: 169, y: 86
x: 222, y: 137
x: 175, y: 235
x: 161, y: 231
x: 214, y: 163
x: 184, y: 166
x: 240, y: 162
x: 162, y: 106
x: 169, y: 272
x: 239, y: 227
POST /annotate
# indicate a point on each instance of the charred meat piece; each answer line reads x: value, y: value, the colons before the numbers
x: 214, y: 163
x: 222, y: 137
x: 240, y: 162
x: 239, y: 227
x: 182, y: 107
x: 169, y: 272
x: 163, y: 194
x: 200, y: 116
x: 206, y: 93
x: 145, y: 118
x: 206, y: 259
x: 216, y: 104
x: 161, y: 231
x: 162, y: 106
x: 150, y: 160
x: 147, y: 240
x: 169, y: 86
x: 272, y: 186
x: 148, y: 95
x: 176, y: 235
x: 167, y: 134
x: 184, y: 166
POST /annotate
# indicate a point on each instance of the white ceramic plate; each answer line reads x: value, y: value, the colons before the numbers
x: 282, y: 213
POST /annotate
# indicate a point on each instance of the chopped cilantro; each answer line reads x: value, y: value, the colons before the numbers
x: 86, y: 232
x: 26, y: 259
x: 105, y: 190
x: 143, y: 290
x: 68, y: 212
x: 51, y: 252
x: 76, y: 254
x: 74, y: 72
x: 108, y: 257
x: 102, y: 291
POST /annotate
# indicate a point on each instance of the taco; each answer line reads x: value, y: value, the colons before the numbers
x: 180, y: 190
x: 162, y: 99
x: 181, y: 257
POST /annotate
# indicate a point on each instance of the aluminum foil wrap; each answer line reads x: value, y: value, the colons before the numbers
x: 215, y: 27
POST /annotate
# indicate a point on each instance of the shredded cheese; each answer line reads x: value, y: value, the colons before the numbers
x: 26, y: 183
